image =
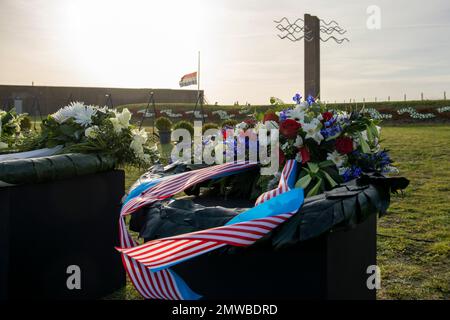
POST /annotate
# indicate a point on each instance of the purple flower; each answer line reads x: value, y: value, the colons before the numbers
x: 283, y: 115
x: 310, y: 100
x: 297, y: 98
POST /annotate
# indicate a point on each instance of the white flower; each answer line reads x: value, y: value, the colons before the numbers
x: 298, y: 142
x: 83, y: 116
x: 140, y: 135
x: 337, y: 158
x: 297, y: 114
x: 3, y: 145
x: 241, y: 126
x: 391, y: 169
x: 124, y: 117
x: 137, y: 148
x: 303, y: 105
x: 137, y: 145
x: 81, y: 113
x: 91, y: 132
x: 312, y: 131
x: 121, y: 121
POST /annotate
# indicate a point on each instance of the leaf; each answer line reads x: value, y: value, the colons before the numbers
x: 329, y: 179
x: 303, y: 182
x: 364, y: 146
x: 326, y: 163
x: 315, y: 189
x: 313, y: 167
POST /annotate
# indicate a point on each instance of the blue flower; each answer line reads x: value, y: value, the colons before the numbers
x: 310, y: 100
x: 297, y: 98
x: 283, y: 115
x: 331, y: 131
x: 352, y: 173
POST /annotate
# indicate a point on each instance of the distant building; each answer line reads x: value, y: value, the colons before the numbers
x: 53, y: 98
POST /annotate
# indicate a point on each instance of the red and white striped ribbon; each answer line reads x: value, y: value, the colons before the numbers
x: 158, y: 255
x: 162, y: 284
x: 283, y: 185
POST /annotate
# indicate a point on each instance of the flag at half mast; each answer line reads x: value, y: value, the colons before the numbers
x: 188, y: 79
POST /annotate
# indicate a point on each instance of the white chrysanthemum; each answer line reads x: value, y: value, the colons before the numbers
x: 337, y: 158
x: 83, y: 115
x: 67, y: 112
x: 78, y: 111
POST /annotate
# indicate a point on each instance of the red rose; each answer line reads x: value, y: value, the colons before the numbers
x: 250, y: 122
x: 304, y: 152
x: 289, y: 128
x: 271, y: 117
x: 344, y: 145
x: 327, y: 116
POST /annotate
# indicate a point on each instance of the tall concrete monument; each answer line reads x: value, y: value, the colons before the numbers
x: 310, y: 31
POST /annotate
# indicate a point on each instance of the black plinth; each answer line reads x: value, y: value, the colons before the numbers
x: 45, y: 228
x: 332, y: 266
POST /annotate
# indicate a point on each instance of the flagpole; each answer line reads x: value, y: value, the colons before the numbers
x: 198, y: 75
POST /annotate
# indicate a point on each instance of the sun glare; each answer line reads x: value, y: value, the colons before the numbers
x: 127, y: 41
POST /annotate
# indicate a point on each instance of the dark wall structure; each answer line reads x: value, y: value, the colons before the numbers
x: 53, y: 98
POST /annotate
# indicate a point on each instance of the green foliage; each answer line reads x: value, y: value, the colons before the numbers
x: 11, y: 133
x: 89, y: 129
x: 208, y: 126
x: 184, y: 125
x: 25, y: 123
x: 229, y: 123
x: 317, y: 178
x: 163, y: 124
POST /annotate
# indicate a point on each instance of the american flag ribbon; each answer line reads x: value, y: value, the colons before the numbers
x: 147, y: 264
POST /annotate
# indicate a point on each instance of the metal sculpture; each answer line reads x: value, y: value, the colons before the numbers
x: 310, y: 30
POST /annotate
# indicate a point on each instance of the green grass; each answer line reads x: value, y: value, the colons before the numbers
x: 414, y: 238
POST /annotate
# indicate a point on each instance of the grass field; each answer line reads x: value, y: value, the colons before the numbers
x: 414, y: 238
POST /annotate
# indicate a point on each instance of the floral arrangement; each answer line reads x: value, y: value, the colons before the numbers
x: 91, y: 129
x: 333, y: 146
x: 13, y: 128
x: 375, y: 114
x: 170, y: 113
x: 197, y: 114
x: 223, y: 115
x: 414, y: 114
x: 443, y: 109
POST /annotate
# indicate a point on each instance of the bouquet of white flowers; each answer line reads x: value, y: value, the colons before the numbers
x: 92, y: 129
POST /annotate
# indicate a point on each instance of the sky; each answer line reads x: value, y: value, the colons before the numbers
x: 151, y: 44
